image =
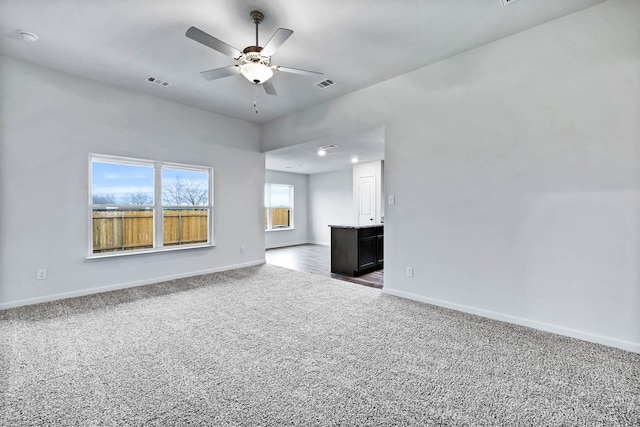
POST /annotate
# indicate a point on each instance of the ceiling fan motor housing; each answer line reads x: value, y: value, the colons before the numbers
x: 252, y: 54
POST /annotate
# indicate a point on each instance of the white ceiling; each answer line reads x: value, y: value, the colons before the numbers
x: 356, y: 43
x: 365, y: 146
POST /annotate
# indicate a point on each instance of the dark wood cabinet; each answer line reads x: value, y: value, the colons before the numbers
x: 380, y: 249
x: 356, y: 250
x: 367, y: 252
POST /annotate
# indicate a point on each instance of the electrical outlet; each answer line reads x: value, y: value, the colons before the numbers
x: 392, y: 200
x: 409, y: 271
x: 241, y: 249
x: 41, y: 274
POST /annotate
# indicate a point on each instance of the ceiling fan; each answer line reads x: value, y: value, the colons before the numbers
x: 254, y: 62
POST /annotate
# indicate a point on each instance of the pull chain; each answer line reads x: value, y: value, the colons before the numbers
x: 255, y: 94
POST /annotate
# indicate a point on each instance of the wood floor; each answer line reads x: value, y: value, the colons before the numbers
x: 316, y: 259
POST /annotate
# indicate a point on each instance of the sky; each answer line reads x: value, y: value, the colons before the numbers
x: 279, y: 196
x: 119, y: 179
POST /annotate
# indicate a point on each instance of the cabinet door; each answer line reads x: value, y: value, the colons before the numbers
x: 367, y: 252
x: 380, y: 249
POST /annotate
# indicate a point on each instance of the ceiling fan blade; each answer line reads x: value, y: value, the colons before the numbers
x: 201, y: 37
x: 277, y: 39
x: 219, y: 73
x: 297, y: 71
x: 268, y: 87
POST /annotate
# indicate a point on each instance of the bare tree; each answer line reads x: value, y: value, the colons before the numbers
x: 180, y: 192
x: 137, y: 199
x: 103, y: 199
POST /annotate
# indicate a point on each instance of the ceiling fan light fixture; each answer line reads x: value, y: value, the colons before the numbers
x: 256, y: 72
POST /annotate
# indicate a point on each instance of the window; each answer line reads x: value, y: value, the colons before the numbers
x: 142, y: 205
x: 278, y: 207
x: 185, y: 209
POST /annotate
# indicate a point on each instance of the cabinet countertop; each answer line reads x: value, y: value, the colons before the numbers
x: 356, y: 226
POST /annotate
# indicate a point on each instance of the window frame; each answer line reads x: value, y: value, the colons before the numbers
x: 157, y: 207
x: 269, y: 208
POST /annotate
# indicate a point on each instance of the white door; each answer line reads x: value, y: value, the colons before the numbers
x: 366, y: 200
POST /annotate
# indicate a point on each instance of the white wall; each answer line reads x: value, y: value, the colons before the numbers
x: 320, y: 199
x: 330, y: 203
x: 50, y: 122
x: 299, y: 234
x: 515, y: 168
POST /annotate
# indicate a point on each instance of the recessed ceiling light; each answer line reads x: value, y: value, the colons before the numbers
x: 27, y: 36
x: 354, y: 159
x: 321, y: 152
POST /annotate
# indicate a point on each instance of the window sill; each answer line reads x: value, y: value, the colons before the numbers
x: 148, y: 251
x: 279, y: 229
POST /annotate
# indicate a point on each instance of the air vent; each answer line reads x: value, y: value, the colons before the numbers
x: 157, y: 81
x: 507, y: 2
x: 325, y: 83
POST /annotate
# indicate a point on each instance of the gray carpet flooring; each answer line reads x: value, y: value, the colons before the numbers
x: 275, y: 347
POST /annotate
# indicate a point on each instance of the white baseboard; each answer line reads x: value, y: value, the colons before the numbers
x: 284, y: 245
x: 317, y: 242
x: 306, y: 242
x: 555, y: 329
x: 100, y: 289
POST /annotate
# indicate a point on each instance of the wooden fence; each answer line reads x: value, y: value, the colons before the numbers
x: 129, y: 230
x: 280, y: 217
x: 182, y: 227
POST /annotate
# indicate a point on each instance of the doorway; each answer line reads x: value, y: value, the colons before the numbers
x: 366, y: 200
